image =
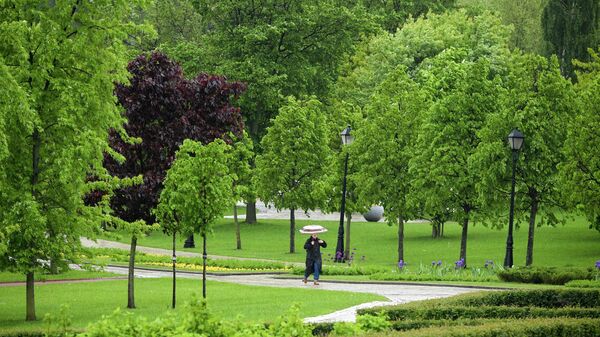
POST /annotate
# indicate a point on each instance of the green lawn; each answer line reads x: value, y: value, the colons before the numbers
x: 89, y: 301
x: 570, y: 245
x: 68, y: 275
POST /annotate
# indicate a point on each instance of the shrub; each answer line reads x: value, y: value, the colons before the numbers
x: 547, y: 298
x: 487, y: 312
x: 583, y: 284
x: 545, y: 275
x: 513, y: 328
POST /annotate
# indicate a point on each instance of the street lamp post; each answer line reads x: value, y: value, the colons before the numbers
x: 347, y: 139
x: 515, y: 140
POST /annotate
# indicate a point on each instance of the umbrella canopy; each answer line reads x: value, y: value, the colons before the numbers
x: 313, y: 229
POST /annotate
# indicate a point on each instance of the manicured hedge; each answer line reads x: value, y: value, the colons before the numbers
x: 545, y: 275
x: 583, y: 284
x: 547, y: 298
x: 510, y: 328
x: 487, y: 312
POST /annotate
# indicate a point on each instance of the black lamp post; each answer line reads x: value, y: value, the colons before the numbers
x: 515, y: 140
x: 347, y: 139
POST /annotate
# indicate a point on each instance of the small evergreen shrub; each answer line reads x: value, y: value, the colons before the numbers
x: 545, y: 275
x: 583, y: 284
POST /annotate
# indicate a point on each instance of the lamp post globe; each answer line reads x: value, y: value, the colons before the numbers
x: 347, y: 139
x: 515, y: 141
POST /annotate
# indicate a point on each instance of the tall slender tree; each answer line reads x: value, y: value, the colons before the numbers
x: 463, y: 94
x: 540, y: 102
x: 58, y: 63
x: 580, y: 173
x: 290, y: 173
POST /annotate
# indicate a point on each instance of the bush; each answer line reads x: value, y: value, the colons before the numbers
x: 583, y: 284
x: 545, y: 275
x: 546, y: 298
x: 512, y: 328
x: 487, y: 312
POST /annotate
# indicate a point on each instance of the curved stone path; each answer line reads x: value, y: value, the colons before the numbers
x: 395, y: 293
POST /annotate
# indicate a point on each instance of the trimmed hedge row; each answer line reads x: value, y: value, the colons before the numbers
x: 583, y: 284
x: 511, y: 328
x: 546, y: 298
x: 545, y: 275
x: 487, y: 312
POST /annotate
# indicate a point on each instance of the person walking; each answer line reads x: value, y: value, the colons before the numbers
x: 313, y: 244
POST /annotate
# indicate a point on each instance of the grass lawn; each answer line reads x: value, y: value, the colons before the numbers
x: 89, y: 301
x: 571, y: 245
x: 68, y: 275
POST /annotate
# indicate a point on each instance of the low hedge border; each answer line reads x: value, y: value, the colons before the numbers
x: 487, y: 312
x: 546, y: 275
x: 510, y: 328
x: 546, y: 298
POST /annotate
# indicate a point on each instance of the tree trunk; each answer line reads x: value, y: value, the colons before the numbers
x: 238, y: 237
x: 463, y: 240
x: 30, y: 297
x: 532, y: 216
x: 292, y: 231
x: 348, y: 222
x: 130, y: 277
x: 30, y: 291
x: 174, y: 269
x: 400, y: 239
x: 251, y: 212
x: 204, y: 256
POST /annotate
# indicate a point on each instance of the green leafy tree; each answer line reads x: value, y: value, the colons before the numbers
x: 277, y: 47
x: 580, y: 172
x: 463, y: 93
x: 524, y: 16
x: 383, y: 147
x: 290, y: 173
x: 58, y: 62
x: 197, y: 191
x: 540, y: 103
x: 571, y: 27
x: 241, y: 169
x: 481, y: 35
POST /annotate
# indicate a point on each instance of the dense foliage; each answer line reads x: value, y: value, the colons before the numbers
x: 58, y: 64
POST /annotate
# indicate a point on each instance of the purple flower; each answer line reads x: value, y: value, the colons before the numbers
x: 439, y: 263
x: 460, y: 263
x: 598, y: 264
x: 433, y: 263
x: 488, y: 263
x: 338, y: 255
x: 401, y: 264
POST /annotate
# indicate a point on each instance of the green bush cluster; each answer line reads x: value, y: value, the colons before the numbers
x: 122, y: 256
x: 196, y: 321
x: 544, y: 298
x: 510, y: 328
x: 473, y: 314
x: 583, y: 284
x: 488, y: 312
x: 546, y: 275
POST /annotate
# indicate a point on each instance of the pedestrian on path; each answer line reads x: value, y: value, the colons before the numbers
x: 314, y: 263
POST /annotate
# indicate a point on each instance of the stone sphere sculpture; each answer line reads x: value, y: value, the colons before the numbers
x: 374, y: 214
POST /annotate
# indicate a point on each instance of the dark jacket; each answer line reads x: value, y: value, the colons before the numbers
x: 313, y: 253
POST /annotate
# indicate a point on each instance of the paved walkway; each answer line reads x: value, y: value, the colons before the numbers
x: 395, y: 293
x: 267, y: 212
